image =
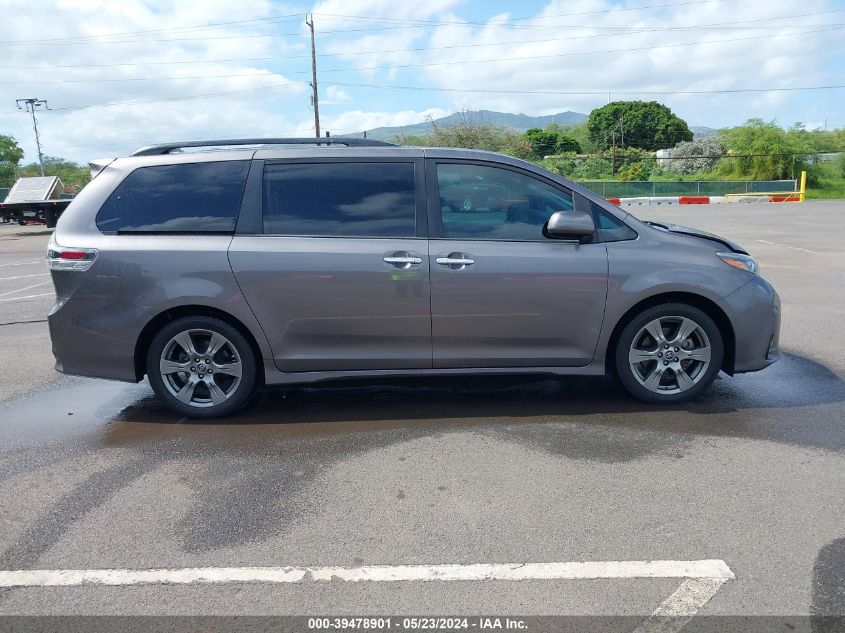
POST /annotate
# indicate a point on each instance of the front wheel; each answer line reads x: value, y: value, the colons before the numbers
x: 669, y: 353
x: 201, y: 367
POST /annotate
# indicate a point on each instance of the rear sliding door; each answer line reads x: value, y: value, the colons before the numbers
x: 337, y: 269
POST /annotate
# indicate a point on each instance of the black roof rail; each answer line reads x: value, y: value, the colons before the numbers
x: 167, y: 148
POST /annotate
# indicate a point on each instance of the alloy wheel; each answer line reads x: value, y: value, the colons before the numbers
x: 670, y: 354
x: 200, y: 368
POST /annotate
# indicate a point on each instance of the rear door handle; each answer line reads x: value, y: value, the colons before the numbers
x: 455, y: 261
x: 402, y: 259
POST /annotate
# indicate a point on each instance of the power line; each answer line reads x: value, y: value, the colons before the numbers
x: 435, y: 89
x: 425, y: 64
x: 587, y: 93
x: 538, y: 17
x: 618, y: 30
x: 295, y: 16
x: 571, y: 54
x: 396, y: 50
x: 198, y: 27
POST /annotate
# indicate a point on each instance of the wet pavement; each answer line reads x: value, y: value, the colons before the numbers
x: 96, y: 475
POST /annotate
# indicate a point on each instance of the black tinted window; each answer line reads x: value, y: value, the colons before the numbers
x: 496, y: 204
x: 185, y: 198
x: 609, y: 228
x: 340, y: 199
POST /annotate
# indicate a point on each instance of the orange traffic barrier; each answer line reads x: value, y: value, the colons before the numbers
x: 694, y: 200
x: 787, y: 198
x: 615, y: 201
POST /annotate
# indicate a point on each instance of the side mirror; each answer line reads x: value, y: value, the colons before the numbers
x: 572, y: 225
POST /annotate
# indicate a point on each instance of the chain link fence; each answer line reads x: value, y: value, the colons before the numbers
x: 646, y: 188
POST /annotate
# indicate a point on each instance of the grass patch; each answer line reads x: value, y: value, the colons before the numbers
x: 827, y: 189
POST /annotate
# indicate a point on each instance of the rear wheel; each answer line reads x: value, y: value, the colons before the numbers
x: 201, y: 367
x: 669, y: 353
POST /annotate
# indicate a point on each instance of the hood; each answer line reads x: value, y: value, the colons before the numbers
x: 688, y: 230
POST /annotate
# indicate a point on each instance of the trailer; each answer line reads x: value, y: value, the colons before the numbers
x: 36, y: 199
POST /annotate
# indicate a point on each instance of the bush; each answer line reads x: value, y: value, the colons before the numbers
x: 593, y: 169
x: 561, y: 164
x: 472, y: 134
x: 690, y: 157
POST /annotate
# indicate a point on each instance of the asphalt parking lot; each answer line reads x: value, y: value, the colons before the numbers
x: 410, y: 474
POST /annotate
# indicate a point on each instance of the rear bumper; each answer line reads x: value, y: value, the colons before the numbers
x: 88, y: 340
x: 754, y: 309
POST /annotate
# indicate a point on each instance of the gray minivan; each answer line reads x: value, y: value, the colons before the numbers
x: 214, y: 267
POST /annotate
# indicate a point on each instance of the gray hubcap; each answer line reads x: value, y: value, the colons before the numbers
x: 200, y: 368
x: 669, y: 354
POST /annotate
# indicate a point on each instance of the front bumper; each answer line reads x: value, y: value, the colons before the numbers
x: 754, y: 310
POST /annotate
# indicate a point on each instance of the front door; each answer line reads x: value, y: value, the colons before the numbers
x: 502, y: 294
x: 339, y: 278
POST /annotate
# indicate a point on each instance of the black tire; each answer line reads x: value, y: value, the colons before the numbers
x: 706, y: 373
x: 240, y: 392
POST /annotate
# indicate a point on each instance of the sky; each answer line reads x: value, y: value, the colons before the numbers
x: 118, y: 75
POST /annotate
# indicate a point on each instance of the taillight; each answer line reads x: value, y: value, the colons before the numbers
x: 62, y: 258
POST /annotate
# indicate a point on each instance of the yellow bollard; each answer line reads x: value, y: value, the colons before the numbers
x: 803, y: 190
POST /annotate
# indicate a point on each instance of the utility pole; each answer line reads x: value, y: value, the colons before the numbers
x: 30, y: 105
x: 613, y: 153
x: 314, y: 95
x: 622, y: 129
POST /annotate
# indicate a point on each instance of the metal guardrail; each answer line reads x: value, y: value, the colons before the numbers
x: 648, y: 188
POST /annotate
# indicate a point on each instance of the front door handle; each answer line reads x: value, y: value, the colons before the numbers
x: 402, y: 259
x: 455, y: 261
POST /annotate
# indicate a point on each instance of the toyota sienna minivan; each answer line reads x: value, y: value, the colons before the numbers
x: 215, y: 267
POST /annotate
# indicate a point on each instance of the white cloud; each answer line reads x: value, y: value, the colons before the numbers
x: 359, y: 120
x: 773, y: 58
x: 75, y: 133
x: 551, y: 51
x: 336, y: 94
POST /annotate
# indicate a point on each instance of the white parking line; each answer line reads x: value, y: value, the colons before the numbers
x: 36, y: 261
x: 11, y: 292
x: 709, y: 569
x: 24, y: 276
x: 673, y: 613
x: 794, y: 248
x: 702, y: 578
x: 43, y: 294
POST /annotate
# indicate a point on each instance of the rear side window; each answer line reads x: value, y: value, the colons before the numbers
x: 340, y: 199
x: 184, y: 198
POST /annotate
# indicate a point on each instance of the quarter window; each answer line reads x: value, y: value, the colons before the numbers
x: 341, y: 199
x: 609, y: 228
x: 181, y: 198
x: 490, y: 203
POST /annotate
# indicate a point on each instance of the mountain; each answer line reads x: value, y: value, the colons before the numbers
x: 517, y: 122
x: 702, y: 131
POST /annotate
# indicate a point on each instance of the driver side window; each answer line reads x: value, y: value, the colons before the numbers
x: 490, y: 203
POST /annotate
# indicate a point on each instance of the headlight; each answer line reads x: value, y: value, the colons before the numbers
x: 737, y: 260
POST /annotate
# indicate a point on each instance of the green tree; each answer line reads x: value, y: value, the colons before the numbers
x: 73, y: 175
x: 566, y: 144
x: 550, y: 142
x: 542, y: 142
x: 10, y: 155
x: 644, y: 124
x: 764, y: 151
